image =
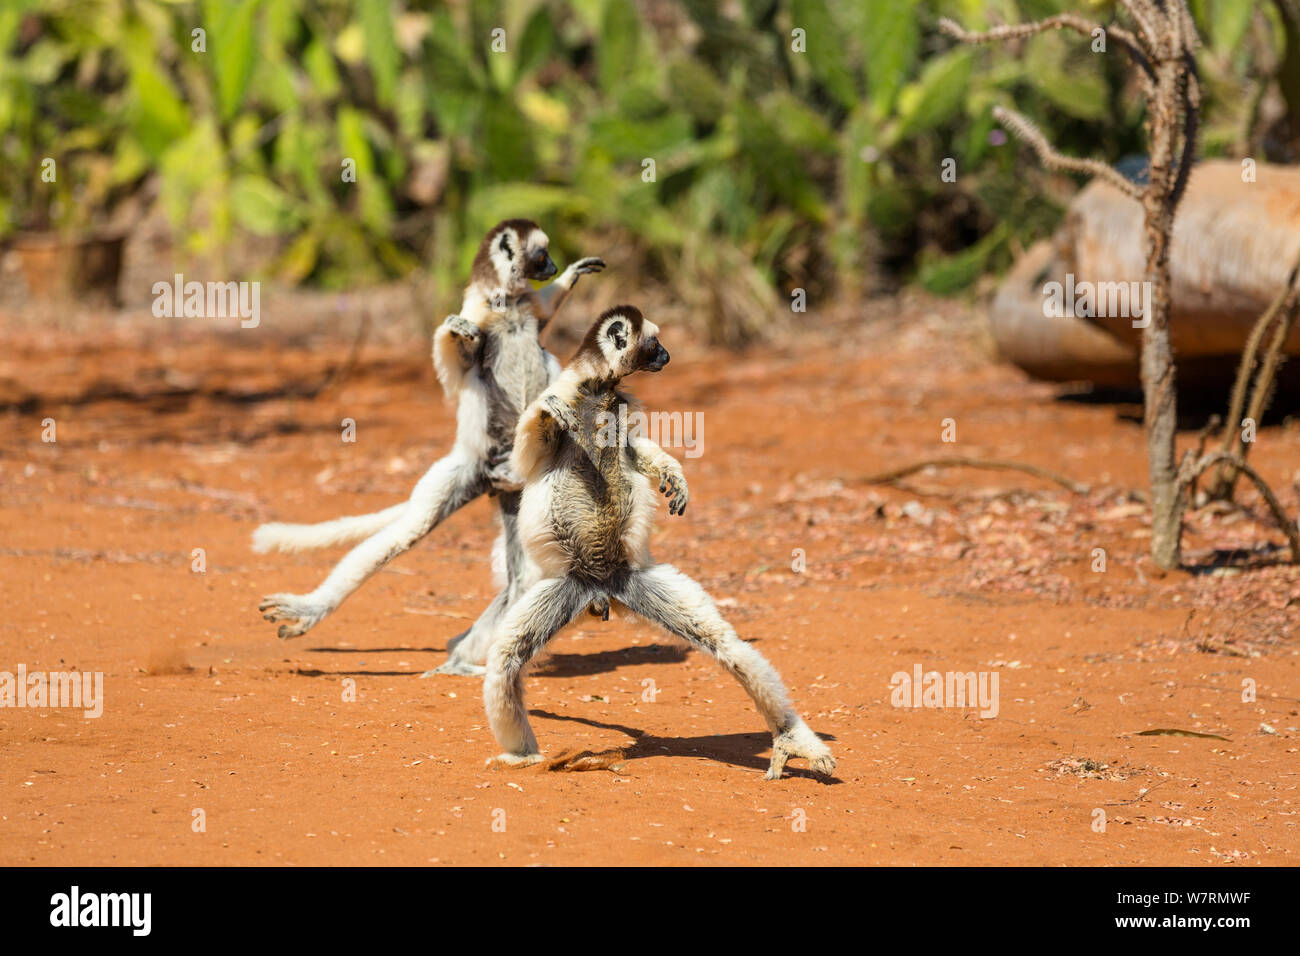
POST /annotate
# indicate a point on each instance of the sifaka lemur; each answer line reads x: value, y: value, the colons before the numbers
x: 491, y: 364
x: 585, y: 521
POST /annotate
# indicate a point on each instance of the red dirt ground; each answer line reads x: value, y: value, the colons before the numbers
x: 172, y: 443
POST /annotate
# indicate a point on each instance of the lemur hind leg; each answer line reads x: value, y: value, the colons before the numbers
x: 665, y: 596
x: 533, y: 620
x: 450, y: 484
x: 468, y: 650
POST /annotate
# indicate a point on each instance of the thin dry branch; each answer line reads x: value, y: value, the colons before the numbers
x: 1144, y: 13
x: 989, y: 464
x: 1202, y: 439
x: 1068, y: 21
x: 1285, y: 303
x: 1028, y: 133
x: 1191, y: 102
x: 1193, y: 469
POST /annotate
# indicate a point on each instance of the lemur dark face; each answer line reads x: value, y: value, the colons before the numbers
x: 538, y: 264
x: 653, y: 355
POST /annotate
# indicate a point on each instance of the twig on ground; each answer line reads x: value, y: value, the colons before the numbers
x: 989, y: 464
x: 1192, y: 468
x: 1139, y: 798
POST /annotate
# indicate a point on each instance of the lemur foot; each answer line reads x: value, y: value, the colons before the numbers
x: 673, y: 487
x: 295, y: 608
x: 461, y: 668
x: 564, y: 416
x: 799, y: 741
x: 516, y: 760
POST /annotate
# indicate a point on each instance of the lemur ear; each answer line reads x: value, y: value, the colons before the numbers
x: 504, y: 244
x: 617, y: 332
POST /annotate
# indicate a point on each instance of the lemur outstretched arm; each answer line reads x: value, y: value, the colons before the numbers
x: 657, y: 465
x: 548, y: 299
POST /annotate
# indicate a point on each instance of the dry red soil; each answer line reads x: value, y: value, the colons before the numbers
x: 169, y: 443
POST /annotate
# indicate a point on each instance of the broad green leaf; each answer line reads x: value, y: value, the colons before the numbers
x: 300, y: 258
x: 230, y: 44
x: 1229, y: 20
x: 778, y: 164
x: 193, y: 187
x: 319, y: 64
x: 448, y: 66
x: 545, y: 111
x: 158, y: 115
x: 800, y: 125
x: 535, y: 45
x: 530, y: 200
x: 375, y: 205
x: 1073, y: 83
x: 350, y: 44
x: 935, y: 96
x: 825, y: 49
x: 953, y: 273
x: 262, y: 207
x: 43, y: 62
x: 695, y: 87
x: 892, y: 37
x: 381, y: 47
x: 617, y: 49
x: 625, y: 140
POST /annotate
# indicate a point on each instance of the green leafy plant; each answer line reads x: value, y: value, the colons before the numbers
x: 795, y: 143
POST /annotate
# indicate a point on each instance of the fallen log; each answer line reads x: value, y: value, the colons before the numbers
x: 1234, y: 245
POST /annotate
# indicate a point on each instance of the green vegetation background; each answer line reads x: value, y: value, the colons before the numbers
x: 774, y: 169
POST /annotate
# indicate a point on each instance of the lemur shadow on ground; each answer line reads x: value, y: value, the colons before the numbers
x: 376, y: 650
x: 739, y: 750
x: 554, y: 665
x: 1208, y: 562
x: 600, y: 662
x: 315, y: 672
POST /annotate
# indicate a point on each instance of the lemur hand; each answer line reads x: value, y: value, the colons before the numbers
x: 563, y: 415
x: 505, y: 478
x: 463, y: 329
x: 588, y: 265
x: 672, y: 485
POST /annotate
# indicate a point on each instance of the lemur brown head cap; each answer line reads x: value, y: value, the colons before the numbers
x: 483, y: 270
x: 591, y: 341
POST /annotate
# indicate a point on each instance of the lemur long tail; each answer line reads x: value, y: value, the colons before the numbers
x: 305, y: 537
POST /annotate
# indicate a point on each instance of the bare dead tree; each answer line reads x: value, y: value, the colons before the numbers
x: 1162, y: 45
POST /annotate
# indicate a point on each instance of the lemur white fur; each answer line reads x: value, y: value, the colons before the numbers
x: 585, y: 521
x: 492, y: 366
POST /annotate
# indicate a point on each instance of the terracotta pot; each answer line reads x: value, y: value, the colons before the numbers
x: 56, y: 266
